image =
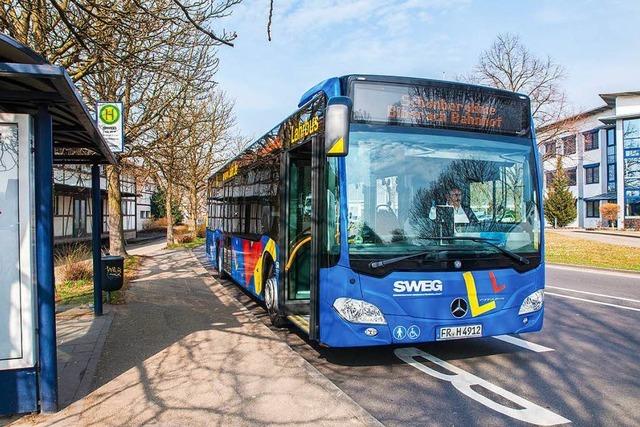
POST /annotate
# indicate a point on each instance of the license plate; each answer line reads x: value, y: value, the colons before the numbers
x: 457, y: 332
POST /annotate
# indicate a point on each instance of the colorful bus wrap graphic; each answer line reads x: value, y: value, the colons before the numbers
x: 248, y: 259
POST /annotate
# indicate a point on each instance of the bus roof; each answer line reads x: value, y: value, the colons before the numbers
x: 336, y: 86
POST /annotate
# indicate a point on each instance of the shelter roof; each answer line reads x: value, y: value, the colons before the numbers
x: 27, y: 81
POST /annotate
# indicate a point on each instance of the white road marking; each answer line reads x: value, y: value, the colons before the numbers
x: 524, y: 344
x: 463, y: 381
x: 593, y: 302
x: 594, y: 271
x: 592, y: 293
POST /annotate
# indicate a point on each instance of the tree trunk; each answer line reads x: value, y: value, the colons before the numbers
x: 114, y: 197
x: 193, y: 211
x: 167, y: 204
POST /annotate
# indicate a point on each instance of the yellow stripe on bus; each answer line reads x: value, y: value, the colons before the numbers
x: 269, y: 248
x: 476, y: 308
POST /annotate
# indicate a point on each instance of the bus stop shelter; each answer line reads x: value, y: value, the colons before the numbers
x: 43, y: 121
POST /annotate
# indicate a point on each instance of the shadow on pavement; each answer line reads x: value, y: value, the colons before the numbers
x: 183, y: 352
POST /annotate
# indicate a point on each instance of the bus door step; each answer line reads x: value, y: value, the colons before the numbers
x: 300, y: 321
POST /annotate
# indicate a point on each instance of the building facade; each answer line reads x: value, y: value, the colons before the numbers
x: 145, y: 189
x: 600, y: 152
x: 72, y: 204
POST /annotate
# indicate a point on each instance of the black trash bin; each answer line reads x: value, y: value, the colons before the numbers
x: 112, y: 272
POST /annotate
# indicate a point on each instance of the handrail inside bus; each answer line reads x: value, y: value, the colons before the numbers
x: 295, y: 250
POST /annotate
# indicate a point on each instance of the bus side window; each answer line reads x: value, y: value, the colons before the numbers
x: 333, y: 211
x: 265, y: 220
x: 269, y: 221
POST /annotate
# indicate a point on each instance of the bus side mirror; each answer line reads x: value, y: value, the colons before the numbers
x: 336, y: 128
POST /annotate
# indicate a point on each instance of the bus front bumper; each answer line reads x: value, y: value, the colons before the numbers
x: 337, y: 332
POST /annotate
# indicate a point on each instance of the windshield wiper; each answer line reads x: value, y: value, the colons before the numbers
x: 383, y: 263
x: 489, y: 242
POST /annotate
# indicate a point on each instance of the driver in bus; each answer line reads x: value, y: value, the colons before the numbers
x: 461, y: 214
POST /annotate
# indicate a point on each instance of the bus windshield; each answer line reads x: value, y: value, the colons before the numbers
x: 409, y: 187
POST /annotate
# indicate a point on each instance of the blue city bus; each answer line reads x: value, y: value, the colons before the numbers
x: 388, y: 210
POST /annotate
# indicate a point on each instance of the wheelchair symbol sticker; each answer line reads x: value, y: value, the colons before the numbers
x: 413, y: 332
x: 399, y: 332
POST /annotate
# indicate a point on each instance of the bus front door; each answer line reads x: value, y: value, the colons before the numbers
x: 301, y: 227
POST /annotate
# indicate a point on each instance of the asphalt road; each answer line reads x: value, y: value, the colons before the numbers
x: 585, y: 369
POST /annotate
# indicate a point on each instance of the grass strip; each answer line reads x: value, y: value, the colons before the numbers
x: 198, y: 241
x: 80, y: 292
x: 569, y: 250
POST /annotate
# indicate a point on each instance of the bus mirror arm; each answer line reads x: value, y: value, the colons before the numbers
x: 337, y: 118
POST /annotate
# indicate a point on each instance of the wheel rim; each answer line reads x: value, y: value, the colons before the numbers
x: 269, y: 293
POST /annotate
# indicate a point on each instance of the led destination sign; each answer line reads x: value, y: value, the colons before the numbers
x: 442, y: 106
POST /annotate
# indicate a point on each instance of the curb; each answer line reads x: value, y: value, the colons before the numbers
x: 359, y: 412
x: 601, y: 233
x: 589, y: 267
x: 633, y: 236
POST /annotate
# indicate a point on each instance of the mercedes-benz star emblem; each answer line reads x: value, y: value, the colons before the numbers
x: 459, y: 307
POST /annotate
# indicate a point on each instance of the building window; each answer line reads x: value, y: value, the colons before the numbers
x: 631, y: 144
x: 593, y: 208
x: 57, y: 205
x: 592, y: 174
x: 611, y: 160
x: 569, y: 143
x: 548, y: 178
x: 550, y: 148
x: 571, y: 176
x: 591, y: 140
x: 632, y: 203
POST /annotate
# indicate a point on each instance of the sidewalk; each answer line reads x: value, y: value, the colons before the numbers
x: 611, y: 232
x: 183, y: 352
x: 81, y: 338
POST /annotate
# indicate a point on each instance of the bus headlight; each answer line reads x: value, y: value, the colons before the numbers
x: 532, y: 303
x: 357, y: 311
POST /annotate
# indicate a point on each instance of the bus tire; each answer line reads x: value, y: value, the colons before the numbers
x: 221, y: 273
x: 271, y: 298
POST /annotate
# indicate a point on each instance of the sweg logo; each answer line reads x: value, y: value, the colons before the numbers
x: 416, y: 287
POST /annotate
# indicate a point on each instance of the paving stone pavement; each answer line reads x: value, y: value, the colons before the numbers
x: 80, y: 337
x: 182, y: 351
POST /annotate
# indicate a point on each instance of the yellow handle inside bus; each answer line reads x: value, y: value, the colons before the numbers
x: 295, y: 250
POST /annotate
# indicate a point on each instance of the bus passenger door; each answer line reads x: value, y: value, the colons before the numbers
x: 300, y: 257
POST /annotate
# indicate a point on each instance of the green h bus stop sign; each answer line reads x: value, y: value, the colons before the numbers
x: 111, y: 124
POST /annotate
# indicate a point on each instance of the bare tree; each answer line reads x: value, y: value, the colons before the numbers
x: 270, y: 19
x: 509, y: 65
x: 126, y: 50
x: 205, y: 148
x: 149, y: 90
x: 164, y: 154
x: 80, y: 34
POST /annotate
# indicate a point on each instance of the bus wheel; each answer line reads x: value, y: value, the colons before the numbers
x: 271, y: 299
x: 221, y: 273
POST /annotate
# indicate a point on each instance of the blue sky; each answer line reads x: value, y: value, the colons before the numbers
x: 597, y: 42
